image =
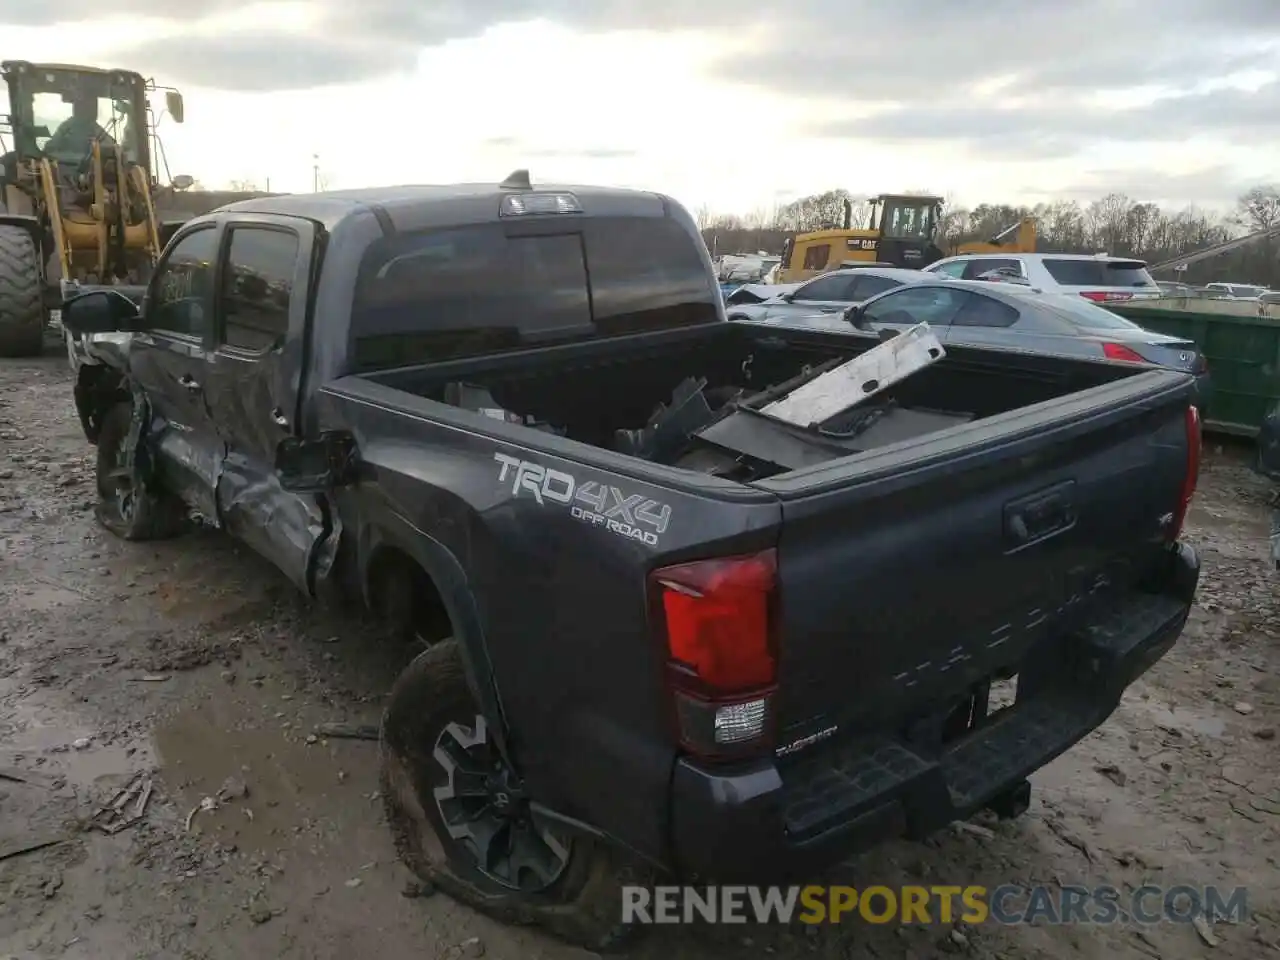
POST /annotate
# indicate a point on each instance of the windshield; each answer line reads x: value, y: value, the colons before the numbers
x: 1099, y: 273
x: 69, y: 110
x: 1082, y: 313
x: 906, y: 219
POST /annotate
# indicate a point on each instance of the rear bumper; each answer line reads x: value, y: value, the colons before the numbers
x: 770, y: 825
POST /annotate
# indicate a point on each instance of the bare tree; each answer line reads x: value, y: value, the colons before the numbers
x: 1114, y: 223
x: 1260, y: 207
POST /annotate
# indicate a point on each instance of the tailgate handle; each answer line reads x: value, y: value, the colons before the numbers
x: 1038, y: 516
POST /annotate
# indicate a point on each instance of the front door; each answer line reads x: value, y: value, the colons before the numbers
x: 167, y: 359
x: 253, y: 385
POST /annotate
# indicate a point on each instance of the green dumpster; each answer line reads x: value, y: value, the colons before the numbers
x: 1241, y: 341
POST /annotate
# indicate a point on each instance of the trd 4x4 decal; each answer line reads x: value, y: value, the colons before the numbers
x: 633, y: 516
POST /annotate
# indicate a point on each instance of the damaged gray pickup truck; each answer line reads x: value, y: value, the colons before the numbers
x: 711, y: 599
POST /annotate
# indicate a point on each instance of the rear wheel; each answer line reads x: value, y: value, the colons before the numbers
x: 128, y: 504
x: 22, y: 313
x: 459, y: 818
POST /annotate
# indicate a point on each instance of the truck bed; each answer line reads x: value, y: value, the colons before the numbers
x: 589, y: 393
x: 908, y: 576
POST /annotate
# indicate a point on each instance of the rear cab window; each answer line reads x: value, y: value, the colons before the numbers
x: 1099, y: 273
x: 472, y: 290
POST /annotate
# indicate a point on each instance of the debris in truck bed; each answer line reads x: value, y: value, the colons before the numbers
x: 477, y: 399
x: 668, y: 430
x: 828, y: 411
x: 865, y: 376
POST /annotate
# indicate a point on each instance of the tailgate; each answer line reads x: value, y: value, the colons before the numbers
x: 927, y: 567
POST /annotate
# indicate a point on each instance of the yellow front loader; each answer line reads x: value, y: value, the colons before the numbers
x: 77, y: 189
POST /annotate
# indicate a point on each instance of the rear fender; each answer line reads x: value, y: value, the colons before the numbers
x: 447, y: 573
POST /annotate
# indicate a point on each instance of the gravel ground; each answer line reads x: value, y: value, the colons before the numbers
x: 192, y: 672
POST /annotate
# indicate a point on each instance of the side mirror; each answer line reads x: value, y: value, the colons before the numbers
x: 856, y: 315
x: 173, y: 103
x: 101, y: 311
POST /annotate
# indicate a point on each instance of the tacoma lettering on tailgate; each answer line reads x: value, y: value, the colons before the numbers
x: 633, y: 516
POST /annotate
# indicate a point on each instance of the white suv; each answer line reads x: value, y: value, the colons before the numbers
x: 1100, y: 278
x: 1237, y: 291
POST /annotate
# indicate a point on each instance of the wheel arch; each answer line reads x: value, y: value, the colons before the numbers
x: 394, y: 542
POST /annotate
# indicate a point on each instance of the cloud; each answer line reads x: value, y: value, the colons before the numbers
x: 1215, y: 185
x: 1050, y: 127
x: 938, y: 69
x: 530, y: 151
x: 817, y: 48
x: 266, y: 61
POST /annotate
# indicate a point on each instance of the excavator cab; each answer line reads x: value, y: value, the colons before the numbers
x: 900, y: 232
x: 907, y: 227
x: 76, y: 189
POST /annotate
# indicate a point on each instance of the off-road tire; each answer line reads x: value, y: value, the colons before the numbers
x: 22, y: 313
x: 154, y: 514
x: 584, y: 904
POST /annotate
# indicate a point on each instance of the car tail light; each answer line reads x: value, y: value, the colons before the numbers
x: 1191, y: 479
x: 1118, y: 351
x: 716, y: 619
x: 1102, y: 296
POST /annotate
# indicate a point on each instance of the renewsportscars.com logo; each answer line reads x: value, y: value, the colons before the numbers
x: 1006, y: 904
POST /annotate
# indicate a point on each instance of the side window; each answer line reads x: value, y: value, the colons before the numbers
x: 918, y: 304
x: 868, y: 287
x: 954, y: 269
x: 978, y: 267
x: 257, y: 286
x: 816, y: 256
x: 982, y: 311
x: 181, y: 295
x: 834, y: 287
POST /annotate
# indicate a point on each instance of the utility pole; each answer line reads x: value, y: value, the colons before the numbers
x: 315, y: 173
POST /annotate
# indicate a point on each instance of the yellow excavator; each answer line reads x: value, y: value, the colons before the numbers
x: 1018, y: 238
x: 901, y: 234
x: 77, y: 189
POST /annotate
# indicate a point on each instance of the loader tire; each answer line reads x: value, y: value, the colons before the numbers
x: 432, y: 737
x: 22, y: 313
x: 129, y: 505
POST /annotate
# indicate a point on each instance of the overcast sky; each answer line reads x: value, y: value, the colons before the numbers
x: 719, y: 102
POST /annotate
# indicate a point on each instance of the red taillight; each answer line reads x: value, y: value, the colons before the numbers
x: 716, y: 620
x: 1192, y: 476
x: 1101, y: 296
x: 1118, y: 351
